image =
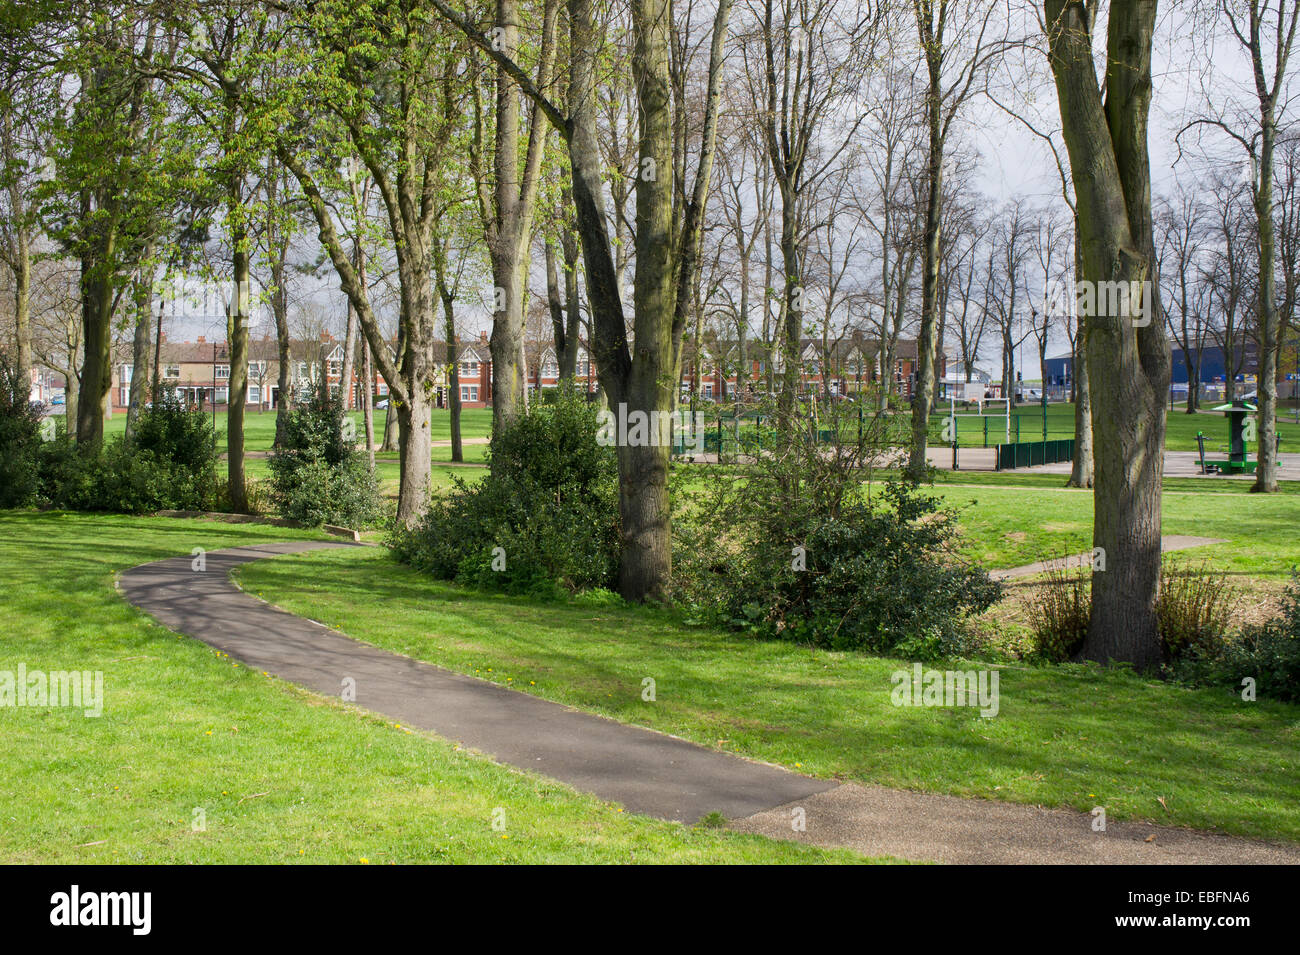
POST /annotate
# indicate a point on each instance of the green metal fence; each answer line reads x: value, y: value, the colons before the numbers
x: 1032, y: 453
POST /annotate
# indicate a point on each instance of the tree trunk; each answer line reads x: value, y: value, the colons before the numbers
x: 368, y: 402
x: 573, y: 317
x: 926, y: 337
x: 346, y: 385
x: 792, y: 331
x: 507, y: 338
x: 284, y: 350
x: 22, y: 263
x: 556, y: 307
x: 453, y: 379
x: 415, y: 457
x: 1269, y: 330
x: 97, y: 344
x: 142, y: 302
x: 390, y: 414
x: 1081, y: 463
x: 22, y: 275
x: 237, y: 385
x: 1128, y: 358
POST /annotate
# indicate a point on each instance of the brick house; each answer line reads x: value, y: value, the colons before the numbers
x: 199, y: 371
x: 843, y: 367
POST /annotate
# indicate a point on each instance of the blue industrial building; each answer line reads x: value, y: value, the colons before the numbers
x: 1060, y: 370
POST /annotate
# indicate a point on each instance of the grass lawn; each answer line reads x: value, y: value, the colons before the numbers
x: 1069, y: 736
x: 259, y: 428
x: 1011, y: 526
x: 281, y: 775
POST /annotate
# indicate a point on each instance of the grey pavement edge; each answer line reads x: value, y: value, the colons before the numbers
x: 877, y: 821
x: 648, y: 772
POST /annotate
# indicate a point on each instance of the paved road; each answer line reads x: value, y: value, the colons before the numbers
x: 648, y: 772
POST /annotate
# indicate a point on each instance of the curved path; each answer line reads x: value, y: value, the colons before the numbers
x: 646, y: 771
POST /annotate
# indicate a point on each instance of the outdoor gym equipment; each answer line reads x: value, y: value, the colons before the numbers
x: 1239, y: 433
x: 1237, y: 414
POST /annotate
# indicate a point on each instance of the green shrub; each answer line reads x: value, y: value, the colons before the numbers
x: 317, y: 474
x: 20, y: 438
x: 1268, y: 654
x: 1058, y: 615
x: 1192, y: 613
x: 1193, y: 610
x: 789, y: 546
x: 169, y: 464
x: 544, y: 519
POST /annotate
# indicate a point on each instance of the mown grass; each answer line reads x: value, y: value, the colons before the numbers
x: 259, y: 428
x: 1011, y: 526
x: 281, y: 775
x: 1067, y: 736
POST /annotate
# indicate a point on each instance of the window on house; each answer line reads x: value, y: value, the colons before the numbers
x: 302, y: 369
x: 172, y: 371
x: 222, y: 372
x: 335, y: 368
x: 254, y: 395
x: 223, y: 395
x: 550, y: 370
x: 256, y: 369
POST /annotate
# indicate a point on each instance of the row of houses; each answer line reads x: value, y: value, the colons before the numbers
x: 199, y: 371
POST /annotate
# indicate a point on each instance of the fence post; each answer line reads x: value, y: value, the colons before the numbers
x: 955, y: 442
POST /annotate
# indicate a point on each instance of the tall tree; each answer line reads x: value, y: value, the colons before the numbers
x: 667, y: 254
x: 377, y: 72
x: 960, y: 43
x: 104, y: 201
x: 508, y: 199
x: 1128, y: 354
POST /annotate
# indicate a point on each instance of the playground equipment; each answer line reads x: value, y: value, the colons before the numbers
x: 1239, y: 424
